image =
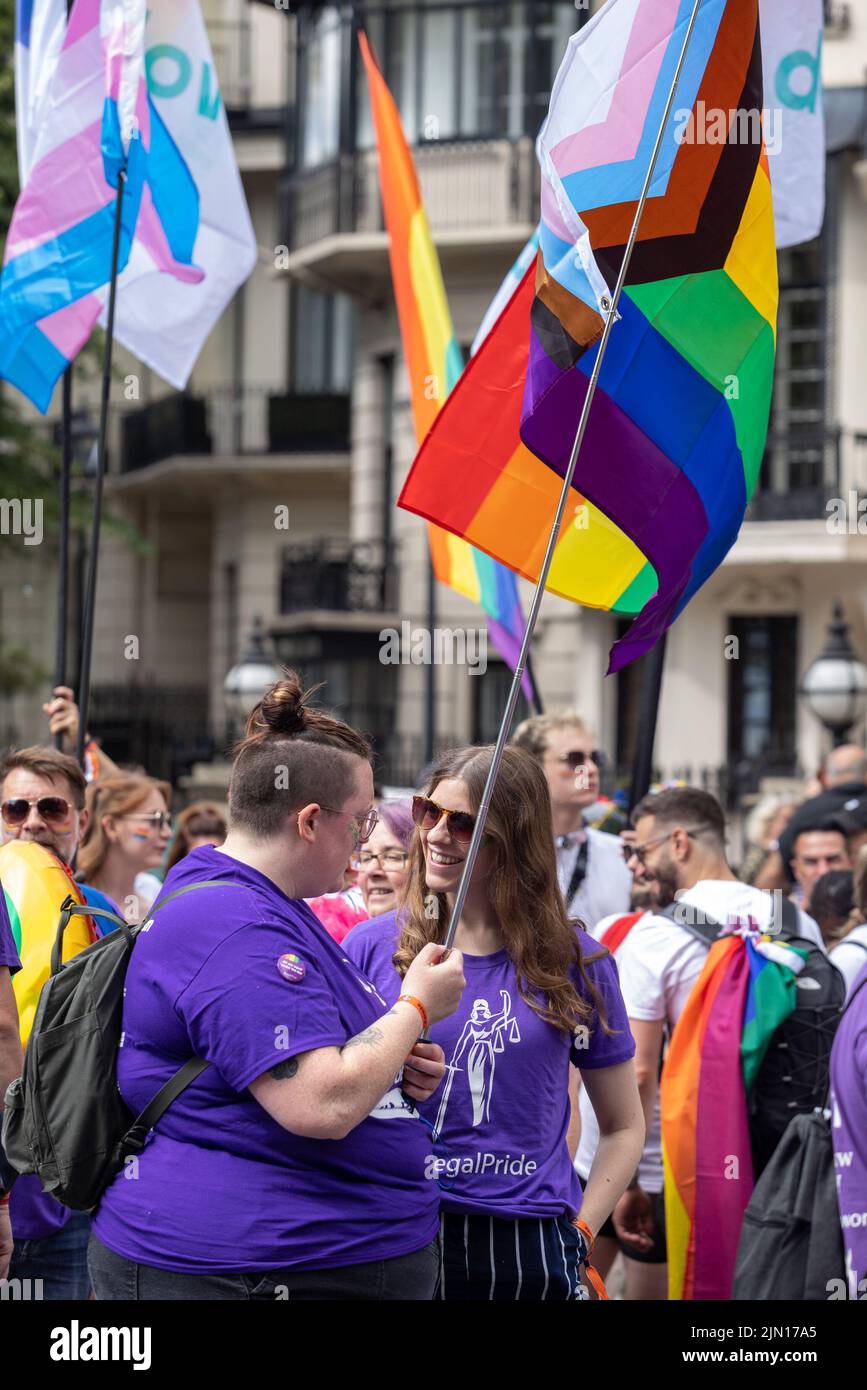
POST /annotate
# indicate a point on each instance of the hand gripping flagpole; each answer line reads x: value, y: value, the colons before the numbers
x: 96, y: 525
x: 508, y: 715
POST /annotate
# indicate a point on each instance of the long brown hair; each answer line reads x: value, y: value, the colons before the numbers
x: 522, y: 888
x: 291, y: 755
x: 112, y: 796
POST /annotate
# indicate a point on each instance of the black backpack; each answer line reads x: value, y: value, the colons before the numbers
x: 793, y: 1078
x: 65, y: 1118
x: 791, y: 1245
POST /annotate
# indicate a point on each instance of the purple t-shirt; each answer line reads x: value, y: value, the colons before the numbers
x: 503, y: 1109
x: 849, y: 1132
x: 246, y: 978
x: 8, y: 950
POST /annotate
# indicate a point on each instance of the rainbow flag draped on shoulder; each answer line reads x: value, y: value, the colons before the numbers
x: 433, y: 358
x: 677, y: 431
x: 745, y: 991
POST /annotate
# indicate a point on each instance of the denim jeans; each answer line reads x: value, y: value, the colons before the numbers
x: 60, y: 1261
x: 411, y: 1278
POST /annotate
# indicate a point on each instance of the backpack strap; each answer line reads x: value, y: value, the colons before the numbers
x: 71, y: 908
x: 188, y: 888
x: 134, y: 1140
x: 790, y: 921
x: 707, y: 933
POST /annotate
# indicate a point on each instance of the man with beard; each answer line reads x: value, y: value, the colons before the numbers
x: 42, y: 799
x: 678, y: 853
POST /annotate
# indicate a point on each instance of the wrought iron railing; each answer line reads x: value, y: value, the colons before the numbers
x: 233, y: 420
x: 339, y: 576
x: 800, y: 472
x: 162, y: 728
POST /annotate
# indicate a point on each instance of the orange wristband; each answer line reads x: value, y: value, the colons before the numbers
x: 586, y: 1233
x: 417, y: 1004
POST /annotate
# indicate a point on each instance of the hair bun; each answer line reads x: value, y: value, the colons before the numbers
x: 281, y: 709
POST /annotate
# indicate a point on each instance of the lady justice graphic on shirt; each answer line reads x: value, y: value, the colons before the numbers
x: 484, y: 1035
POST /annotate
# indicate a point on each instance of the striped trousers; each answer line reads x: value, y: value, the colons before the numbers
x: 531, y: 1260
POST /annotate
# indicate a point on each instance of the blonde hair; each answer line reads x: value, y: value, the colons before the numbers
x: 533, y: 734
x: 112, y: 796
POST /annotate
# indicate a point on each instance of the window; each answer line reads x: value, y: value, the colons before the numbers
x: 323, y: 341
x: 762, y: 692
x: 477, y: 70
x: 798, y: 442
x: 491, y: 693
x: 320, y: 76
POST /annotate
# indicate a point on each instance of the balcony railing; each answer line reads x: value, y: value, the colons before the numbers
x: 467, y: 184
x: 800, y: 472
x: 339, y: 576
x: 229, y: 421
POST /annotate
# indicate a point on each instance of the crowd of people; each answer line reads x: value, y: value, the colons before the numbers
x: 380, y: 1119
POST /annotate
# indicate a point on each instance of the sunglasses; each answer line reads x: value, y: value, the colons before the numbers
x: 54, y: 810
x: 577, y: 757
x: 158, y: 820
x: 427, y: 814
x: 639, y: 852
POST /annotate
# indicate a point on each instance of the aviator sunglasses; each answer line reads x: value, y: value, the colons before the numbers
x: 54, y: 810
x: 426, y: 814
x: 577, y: 757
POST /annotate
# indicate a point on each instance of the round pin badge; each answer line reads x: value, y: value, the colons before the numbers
x: 292, y: 968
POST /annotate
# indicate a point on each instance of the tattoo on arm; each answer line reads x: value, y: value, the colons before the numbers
x: 369, y: 1037
x: 284, y: 1071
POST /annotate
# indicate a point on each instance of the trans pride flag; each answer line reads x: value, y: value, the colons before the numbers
x: 746, y: 990
x: 676, y: 434
x: 39, y: 29
x: 148, y: 99
x: 433, y: 358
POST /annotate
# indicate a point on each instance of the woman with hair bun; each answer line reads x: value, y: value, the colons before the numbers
x: 294, y: 1165
x: 542, y: 999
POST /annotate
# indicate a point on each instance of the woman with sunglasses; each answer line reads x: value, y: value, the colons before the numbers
x: 292, y: 1167
x: 542, y: 997
x: 126, y: 838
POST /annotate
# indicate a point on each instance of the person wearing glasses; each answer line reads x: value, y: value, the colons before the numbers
x: 293, y: 1167
x: 128, y: 832
x: 593, y: 878
x: 678, y: 852
x: 42, y: 794
x: 381, y: 861
x: 542, y: 999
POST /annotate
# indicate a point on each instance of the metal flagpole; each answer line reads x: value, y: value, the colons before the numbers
x: 651, y: 685
x: 63, y: 555
x: 508, y: 715
x: 93, y: 558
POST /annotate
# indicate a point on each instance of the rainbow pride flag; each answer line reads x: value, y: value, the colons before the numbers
x: 677, y: 430
x: 740, y: 999
x: 433, y: 358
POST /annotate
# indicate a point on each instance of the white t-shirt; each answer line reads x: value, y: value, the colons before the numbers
x: 659, y: 963
x: 607, y: 885
x: 850, y: 957
x: 650, y: 1168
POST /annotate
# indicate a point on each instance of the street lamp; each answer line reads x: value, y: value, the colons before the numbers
x: 835, y: 686
x: 249, y: 678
